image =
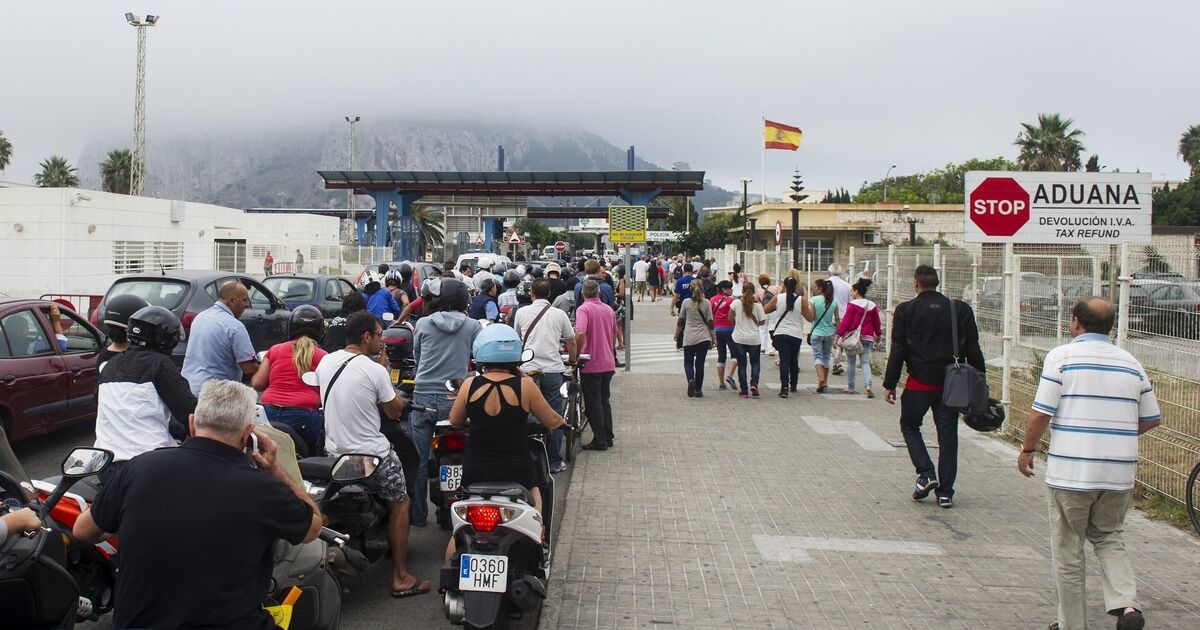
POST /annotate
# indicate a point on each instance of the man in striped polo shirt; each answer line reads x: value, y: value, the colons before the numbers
x: 1097, y: 399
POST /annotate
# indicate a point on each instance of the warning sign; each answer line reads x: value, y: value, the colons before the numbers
x: 627, y: 224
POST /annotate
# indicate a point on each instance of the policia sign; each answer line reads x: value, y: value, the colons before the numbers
x: 1076, y: 208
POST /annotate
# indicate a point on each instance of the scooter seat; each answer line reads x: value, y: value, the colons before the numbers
x: 317, y: 467
x: 504, y: 489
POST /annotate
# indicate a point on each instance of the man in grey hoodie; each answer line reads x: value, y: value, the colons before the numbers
x: 442, y: 349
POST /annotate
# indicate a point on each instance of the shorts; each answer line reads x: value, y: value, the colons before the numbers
x: 639, y: 286
x: 388, y: 481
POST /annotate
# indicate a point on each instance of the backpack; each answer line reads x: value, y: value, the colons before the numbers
x: 677, y: 272
x: 709, y: 287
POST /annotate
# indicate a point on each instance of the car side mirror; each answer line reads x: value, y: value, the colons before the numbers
x: 83, y: 462
x: 353, y: 467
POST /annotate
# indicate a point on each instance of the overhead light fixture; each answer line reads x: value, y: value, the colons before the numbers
x: 129, y: 18
x: 151, y: 19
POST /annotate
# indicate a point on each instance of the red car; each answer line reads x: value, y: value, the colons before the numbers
x: 42, y: 388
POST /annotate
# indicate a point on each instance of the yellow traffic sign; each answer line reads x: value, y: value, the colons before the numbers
x: 627, y: 224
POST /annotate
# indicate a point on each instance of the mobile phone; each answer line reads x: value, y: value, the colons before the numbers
x: 252, y: 444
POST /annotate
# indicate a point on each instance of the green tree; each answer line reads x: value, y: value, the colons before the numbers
x: 536, y: 232
x: 115, y: 171
x: 430, y: 224
x: 941, y: 185
x: 712, y: 234
x: 5, y: 152
x: 1189, y: 150
x: 1093, y: 164
x: 56, y: 173
x: 1050, y: 145
x: 1178, y: 206
x: 677, y: 219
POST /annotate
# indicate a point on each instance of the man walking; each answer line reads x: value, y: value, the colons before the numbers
x: 683, y: 288
x: 921, y: 343
x: 299, y: 262
x: 268, y: 265
x: 543, y: 329
x: 595, y: 329
x: 1098, y: 399
x: 640, y: 270
x: 841, y: 295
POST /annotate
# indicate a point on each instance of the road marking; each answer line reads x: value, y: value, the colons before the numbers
x: 796, y: 548
x: 853, y: 429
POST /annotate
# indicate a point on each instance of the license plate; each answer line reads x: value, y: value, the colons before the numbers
x: 487, y: 574
x: 395, y: 376
x: 450, y: 477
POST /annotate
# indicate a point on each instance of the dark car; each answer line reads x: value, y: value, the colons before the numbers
x: 188, y: 293
x: 320, y: 290
x: 1174, y: 309
x: 43, y: 388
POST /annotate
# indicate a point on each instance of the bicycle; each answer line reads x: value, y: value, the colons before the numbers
x: 575, y: 409
x: 1192, y: 498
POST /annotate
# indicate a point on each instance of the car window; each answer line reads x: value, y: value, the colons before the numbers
x: 346, y: 287
x: 259, y: 299
x: 290, y: 288
x: 168, y: 294
x: 79, y: 337
x: 24, y: 335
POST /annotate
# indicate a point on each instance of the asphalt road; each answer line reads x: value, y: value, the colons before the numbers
x: 369, y: 603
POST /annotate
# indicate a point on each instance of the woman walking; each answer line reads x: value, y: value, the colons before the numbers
x: 694, y: 329
x: 765, y: 294
x: 791, y: 303
x: 722, y: 303
x: 861, y: 315
x: 747, y: 317
x: 824, y: 325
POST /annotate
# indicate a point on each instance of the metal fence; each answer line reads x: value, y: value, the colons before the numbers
x: 1022, y: 297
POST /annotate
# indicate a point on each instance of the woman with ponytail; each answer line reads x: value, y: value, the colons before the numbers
x: 286, y: 398
x: 791, y: 302
x: 747, y: 316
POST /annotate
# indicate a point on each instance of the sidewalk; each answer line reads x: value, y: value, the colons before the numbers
x: 796, y: 513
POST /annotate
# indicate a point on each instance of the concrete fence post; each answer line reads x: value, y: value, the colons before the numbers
x: 1007, y: 318
x: 1123, y: 299
x: 888, y: 311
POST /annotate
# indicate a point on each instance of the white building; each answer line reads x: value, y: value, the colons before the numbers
x: 69, y: 241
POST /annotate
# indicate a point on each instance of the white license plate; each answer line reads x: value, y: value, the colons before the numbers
x: 487, y: 574
x: 450, y: 478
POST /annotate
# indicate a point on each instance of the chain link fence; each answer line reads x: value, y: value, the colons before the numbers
x: 1022, y: 297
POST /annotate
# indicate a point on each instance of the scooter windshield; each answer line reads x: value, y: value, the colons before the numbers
x: 8, y: 460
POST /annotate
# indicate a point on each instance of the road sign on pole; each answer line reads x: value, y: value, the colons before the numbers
x: 627, y: 224
x: 778, y: 235
x: 560, y: 247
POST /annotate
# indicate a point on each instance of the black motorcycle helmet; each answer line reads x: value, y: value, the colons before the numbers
x: 511, y: 279
x: 405, y: 271
x: 989, y: 420
x: 156, y: 328
x: 117, y: 312
x: 446, y: 294
x: 306, y: 320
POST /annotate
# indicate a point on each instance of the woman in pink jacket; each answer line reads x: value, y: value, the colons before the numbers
x: 862, y: 311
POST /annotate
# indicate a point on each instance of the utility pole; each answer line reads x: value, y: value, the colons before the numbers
x: 745, y: 184
x: 137, y: 170
x: 350, y: 166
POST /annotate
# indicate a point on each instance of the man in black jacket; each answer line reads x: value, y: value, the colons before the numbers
x: 921, y: 341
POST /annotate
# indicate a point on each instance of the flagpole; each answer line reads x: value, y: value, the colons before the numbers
x: 763, y: 177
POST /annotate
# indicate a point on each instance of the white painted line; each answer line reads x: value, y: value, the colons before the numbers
x: 853, y: 429
x: 796, y: 548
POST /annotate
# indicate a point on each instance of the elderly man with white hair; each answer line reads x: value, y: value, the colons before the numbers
x: 221, y: 485
x: 841, y: 295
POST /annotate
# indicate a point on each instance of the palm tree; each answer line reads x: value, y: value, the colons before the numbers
x: 115, y: 171
x: 56, y: 173
x: 5, y: 151
x: 1051, y: 145
x: 430, y: 224
x: 1189, y: 149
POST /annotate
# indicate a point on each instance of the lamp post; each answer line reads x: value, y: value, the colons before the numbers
x: 687, y: 209
x: 745, y: 183
x: 797, y: 196
x: 137, y: 168
x: 350, y: 166
x: 912, y: 222
x: 885, y: 181
x: 753, y: 235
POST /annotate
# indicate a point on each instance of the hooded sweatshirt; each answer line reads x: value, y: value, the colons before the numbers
x: 380, y: 300
x: 442, y: 348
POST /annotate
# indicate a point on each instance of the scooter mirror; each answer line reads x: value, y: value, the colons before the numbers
x: 310, y: 378
x: 526, y: 355
x: 387, y: 317
x: 260, y: 355
x: 452, y: 386
x: 353, y: 467
x: 565, y: 391
x: 86, y: 461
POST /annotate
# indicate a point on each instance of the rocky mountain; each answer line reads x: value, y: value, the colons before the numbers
x: 279, y: 169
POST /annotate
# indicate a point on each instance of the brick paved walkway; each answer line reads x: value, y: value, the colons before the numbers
x: 795, y: 513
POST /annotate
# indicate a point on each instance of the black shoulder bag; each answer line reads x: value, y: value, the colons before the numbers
x: 808, y: 338
x: 333, y: 380
x: 965, y: 389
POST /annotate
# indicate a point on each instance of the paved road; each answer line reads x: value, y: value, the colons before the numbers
x: 369, y: 604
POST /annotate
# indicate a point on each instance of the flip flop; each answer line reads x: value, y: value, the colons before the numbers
x: 418, y: 588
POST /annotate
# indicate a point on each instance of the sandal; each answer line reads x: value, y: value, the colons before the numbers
x: 820, y: 389
x: 419, y: 587
x: 870, y: 394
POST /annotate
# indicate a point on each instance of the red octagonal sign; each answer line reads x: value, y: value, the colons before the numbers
x: 999, y: 206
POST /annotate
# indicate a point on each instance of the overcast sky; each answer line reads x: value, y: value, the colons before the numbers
x: 872, y: 83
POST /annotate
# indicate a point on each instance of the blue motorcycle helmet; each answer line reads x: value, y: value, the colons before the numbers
x: 497, y: 344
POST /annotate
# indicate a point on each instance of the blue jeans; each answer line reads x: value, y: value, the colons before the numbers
x: 789, y: 360
x: 822, y: 347
x: 420, y: 429
x: 913, y: 406
x: 865, y: 360
x: 309, y: 425
x: 551, y: 385
x: 693, y: 362
x: 743, y: 353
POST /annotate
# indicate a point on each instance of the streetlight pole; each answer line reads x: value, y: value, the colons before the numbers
x: 350, y: 191
x: 137, y: 168
x: 745, y: 184
x: 912, y: 222
x: 885, y: 181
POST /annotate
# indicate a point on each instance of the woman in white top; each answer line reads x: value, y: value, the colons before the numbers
x: 747, y: 316
x: 791, y: 302
x: 765, y: 293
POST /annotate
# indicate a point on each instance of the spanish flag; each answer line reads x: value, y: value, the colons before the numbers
x: 781, y: 136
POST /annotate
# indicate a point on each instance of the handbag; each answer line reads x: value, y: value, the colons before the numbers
x: 851, y: 343
x: 679, y: 332
x: 964, y: 389
x: 808, y: 338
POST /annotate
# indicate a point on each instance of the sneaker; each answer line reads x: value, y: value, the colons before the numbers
x: 723, y: 387
x: 793, y: 389
x: 699, y: 393
x: 783, y: 392
x: 691, y: 389
x: 559, y: 468
x: 743, y: 395
x: 924, y: 487
x: 729, y: 380
x: 947, y: 502
x: 754, y: 391
x: 1131, y: 621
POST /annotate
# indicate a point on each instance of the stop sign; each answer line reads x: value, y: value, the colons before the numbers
x: 999, y: 206
x: 560, y: 247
